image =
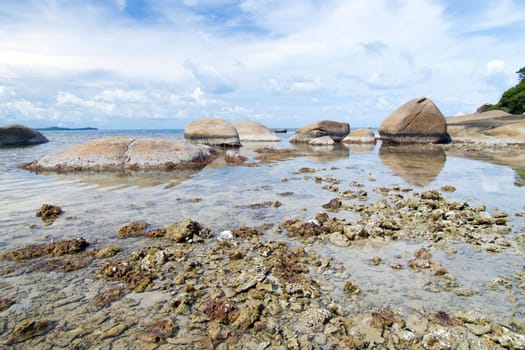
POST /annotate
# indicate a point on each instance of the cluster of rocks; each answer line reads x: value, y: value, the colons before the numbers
x: 426, y: 216
x: 241, y: 291
x: 419, y: 121
x: 219, y: 132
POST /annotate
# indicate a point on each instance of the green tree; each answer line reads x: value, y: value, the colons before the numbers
x: 513, y: 100
x: 521, y: 74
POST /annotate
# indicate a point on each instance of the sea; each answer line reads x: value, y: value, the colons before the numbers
x: 224, y: 197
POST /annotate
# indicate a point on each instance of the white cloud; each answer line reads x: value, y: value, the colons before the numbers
x: 495, y: 74
x: 494, y: 67
x: 186, y: 59
x: 294, y: 86
x: 121, y: 4
x: 209, y: 78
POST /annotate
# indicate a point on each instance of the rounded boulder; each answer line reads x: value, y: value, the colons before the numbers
x: 417, y: 121
x: 213, y: 132
x: 19, y: 135
x: 336, y: 130
x: 252, y: 131
x: 360, y: 136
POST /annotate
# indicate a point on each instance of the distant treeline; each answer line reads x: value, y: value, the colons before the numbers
x: 57, y: 128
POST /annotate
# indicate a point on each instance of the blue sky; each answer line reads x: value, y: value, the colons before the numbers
x: 162, y: 63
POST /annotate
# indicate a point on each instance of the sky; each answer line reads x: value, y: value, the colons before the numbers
x: 157, y: 64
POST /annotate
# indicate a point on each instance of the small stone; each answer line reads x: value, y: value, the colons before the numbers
x: 5, y: 304
x: 339, y: 239
x: 464, y: 292
x: 28, y: 329
x: 478, y: 330
x: 351, y: 288
x: 108, y: 252
x: 396, y: 266
x: 376, y: 260
x: 134, y: 229
x: 113, y: 331
x: 225, y: 235
x: 431, y: 195
x: 49, y: 213
x: 448, y: 188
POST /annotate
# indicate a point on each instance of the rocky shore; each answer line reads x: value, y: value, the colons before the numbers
x: 275, y: 285
x: 264, y: 287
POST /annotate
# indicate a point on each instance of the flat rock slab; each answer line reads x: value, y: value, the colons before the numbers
x: 125, y: 153
x: 19, y: 135
x: 488, y: 127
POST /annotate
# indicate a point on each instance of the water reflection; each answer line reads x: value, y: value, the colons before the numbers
x: 417, y: 165
x: 323, y: 154
x: 128, y: 179
x: 360, y: 147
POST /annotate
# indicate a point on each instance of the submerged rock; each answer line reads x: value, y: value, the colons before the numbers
x: 19, y: 135
x: 158, y: 330
x: 49, y: 213
x: 59, y: 248
x: 108, y: 252
x: 5, y: 303
x: 28, y: 329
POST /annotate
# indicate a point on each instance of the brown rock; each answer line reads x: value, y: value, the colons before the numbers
x: 417, y: 121
x: 360, y: 136
x: 211, y: 131
x: 184, y: 231
x: 337, y: 131
x: 252, y: 131
x: 19, y: 135
x: 49, y: 213
x: 28, y: 329
x: 487, y: 127
x: 134, y: 229
x: 121, y: 153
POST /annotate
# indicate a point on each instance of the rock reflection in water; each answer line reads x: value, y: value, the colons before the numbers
x: 129, y: 179
x: 417, y: 165
x: 360, y: 147
x: 323, y: 154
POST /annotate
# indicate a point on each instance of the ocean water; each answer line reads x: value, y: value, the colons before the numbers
x: 218, y: 197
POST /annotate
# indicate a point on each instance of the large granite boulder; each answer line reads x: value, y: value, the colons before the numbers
x: 417, y: 121
x: 488, y: 127
x: 252, y: 131
x: 336, y: 130
x: 125, y: 153
x: 212, y: 131
x: 322, y: 141
x: 360, y: 136
x: 19, y: 135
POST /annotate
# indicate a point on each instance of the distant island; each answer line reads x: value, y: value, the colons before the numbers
x: 58, y: 128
